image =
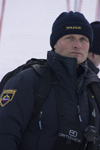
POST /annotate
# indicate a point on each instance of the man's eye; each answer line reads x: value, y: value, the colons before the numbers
x: 68, y: 37
x: 83, y: 39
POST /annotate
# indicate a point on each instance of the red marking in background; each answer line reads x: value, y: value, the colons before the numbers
x: 68, y: 5
x: 80, y: 5
x: 97, y: 15
x: 2, y: 13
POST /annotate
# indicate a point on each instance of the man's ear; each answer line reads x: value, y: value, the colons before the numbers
x: 93, y: 55
x: 55, y: 46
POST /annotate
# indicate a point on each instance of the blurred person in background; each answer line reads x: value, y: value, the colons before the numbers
x: 94, y: 52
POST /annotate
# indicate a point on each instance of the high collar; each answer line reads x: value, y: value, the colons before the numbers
x: 92, y: 66
x: 59, y: 62
x: 70, y: 64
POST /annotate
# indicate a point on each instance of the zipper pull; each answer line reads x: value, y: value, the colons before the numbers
x: 79, y: 115
x: 40, y: 120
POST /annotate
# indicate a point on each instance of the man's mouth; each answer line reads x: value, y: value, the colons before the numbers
x: 76, y: 53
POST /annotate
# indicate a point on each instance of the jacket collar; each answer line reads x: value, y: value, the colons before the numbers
x: 65, y: 64
x: 92, y: 66
x: 69, y: 64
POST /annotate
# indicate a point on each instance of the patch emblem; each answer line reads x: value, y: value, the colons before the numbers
x: 6, y: 97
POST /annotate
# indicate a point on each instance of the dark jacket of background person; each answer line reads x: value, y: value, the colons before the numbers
x: 94, y: 51
x: 92, y: 66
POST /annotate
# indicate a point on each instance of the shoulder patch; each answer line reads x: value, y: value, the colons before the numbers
x: 6, y: 97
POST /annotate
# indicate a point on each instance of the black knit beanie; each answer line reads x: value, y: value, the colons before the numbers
x: 96, y: 41
x: 70, y: 23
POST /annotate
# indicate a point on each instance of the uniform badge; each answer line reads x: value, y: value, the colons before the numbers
x: 6, y: 97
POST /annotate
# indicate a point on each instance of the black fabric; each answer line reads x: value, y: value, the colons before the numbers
x: 92, y: 66
x: 76, y: 75
x: 42, y: 89
x: 87, y: 140
x: 22, y: 106
x: 70, y: 99
x: 96, y: 40
x: 64, y: 140
x: 70, y: 137
x: 96, y: 91
x: 57, y: 96
x: 70, y: 23
x: 63, y: 144
x: 12, y: 73
x: 91, y: 108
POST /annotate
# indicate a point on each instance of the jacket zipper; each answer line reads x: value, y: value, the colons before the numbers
x: 40, y: 120
x: 79, y: 114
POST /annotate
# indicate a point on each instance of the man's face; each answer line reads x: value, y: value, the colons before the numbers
x: 97, y: 60
x: 73, y: 46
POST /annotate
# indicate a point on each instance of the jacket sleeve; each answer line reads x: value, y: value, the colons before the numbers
x: 16, y: 107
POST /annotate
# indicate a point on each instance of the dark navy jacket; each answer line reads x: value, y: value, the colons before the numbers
x: 92, y: 66
x: 18, y: 131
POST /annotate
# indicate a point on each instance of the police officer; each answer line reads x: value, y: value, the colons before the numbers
x: 94, y: 52
x: 66, y: 120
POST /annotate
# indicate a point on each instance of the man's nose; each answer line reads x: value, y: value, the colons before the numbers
x: 77, y: 44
